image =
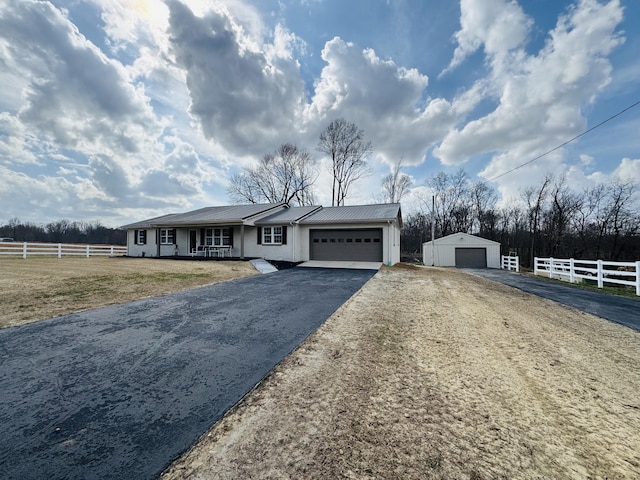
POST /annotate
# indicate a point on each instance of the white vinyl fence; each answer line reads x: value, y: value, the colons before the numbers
x: 510, y: 263
x: 61, y: 249
x: 571, y: 270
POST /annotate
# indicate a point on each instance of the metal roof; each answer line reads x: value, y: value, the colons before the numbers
x: 288, y: 215
x: 218, y: 215
x: 276, y: 213
x: 149, y: 222
x: 382, y: 212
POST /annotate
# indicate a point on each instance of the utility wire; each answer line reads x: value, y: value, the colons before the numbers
x: 565, y: 143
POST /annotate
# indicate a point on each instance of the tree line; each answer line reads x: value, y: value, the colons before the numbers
x: 63, y: 231
x: 550, y: 219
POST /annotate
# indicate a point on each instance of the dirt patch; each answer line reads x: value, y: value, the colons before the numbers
x: 434, y: 373
x: 43, y: 287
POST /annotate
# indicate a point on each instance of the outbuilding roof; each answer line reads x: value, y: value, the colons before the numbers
x: 381, y: 212
x: 455, y: 238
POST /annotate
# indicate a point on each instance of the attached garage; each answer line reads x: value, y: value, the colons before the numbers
x: 359, y: 245
x: 463, y: 251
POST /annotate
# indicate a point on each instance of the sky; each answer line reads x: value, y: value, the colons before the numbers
x: 114, y: 111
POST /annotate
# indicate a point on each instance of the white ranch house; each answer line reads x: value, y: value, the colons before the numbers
x: 274, y: 231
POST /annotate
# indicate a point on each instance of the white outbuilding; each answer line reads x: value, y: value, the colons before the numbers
x: 462, y: 250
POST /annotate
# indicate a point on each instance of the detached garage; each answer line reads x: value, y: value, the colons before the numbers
x: 463, y: 251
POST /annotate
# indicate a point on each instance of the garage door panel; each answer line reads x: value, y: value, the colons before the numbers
x: 471, y: 257
x: 363, y: 245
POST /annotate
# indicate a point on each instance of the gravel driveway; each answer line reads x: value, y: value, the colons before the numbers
x: 119, y: 392
x: 622, y: 310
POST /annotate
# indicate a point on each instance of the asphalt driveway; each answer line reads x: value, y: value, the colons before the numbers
x: 119, y: 392
x: 622, y: 310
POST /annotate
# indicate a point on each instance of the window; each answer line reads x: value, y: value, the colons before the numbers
x: 141, y: 237
x: 272, y: 235
x: 167, y: 236
x: 217, y: 237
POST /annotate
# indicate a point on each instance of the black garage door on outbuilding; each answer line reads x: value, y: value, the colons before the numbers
x: 471, y: 257
x: 359, y: 245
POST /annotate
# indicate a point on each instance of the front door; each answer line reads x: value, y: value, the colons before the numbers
x: 193, y: 241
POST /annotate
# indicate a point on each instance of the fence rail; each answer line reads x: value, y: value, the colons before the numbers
x: 510, y: 263
x: 61, y: 249
x: 571, y: 270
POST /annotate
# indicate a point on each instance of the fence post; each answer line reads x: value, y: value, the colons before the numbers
x: 59, y: 250
x: 88, y: 250
x: 535, y: 265
x: 111, y: 255
x: 24, y: 250
x: 638, y: 278
x: 517, y: 264
x: 600, y: 274
x: 550, y: 266
x: 572, y: 277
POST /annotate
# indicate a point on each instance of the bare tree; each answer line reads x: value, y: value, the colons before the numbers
x: 452, y: 206
x: 344, y: 143
x: 396, y: 185
x: 535, y: 197
x: 287, y: 175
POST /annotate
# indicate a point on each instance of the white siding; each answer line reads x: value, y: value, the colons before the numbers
x: 269, y: 252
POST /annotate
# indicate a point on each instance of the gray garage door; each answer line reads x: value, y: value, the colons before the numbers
x: 362, y: 245
x: 471, y: 257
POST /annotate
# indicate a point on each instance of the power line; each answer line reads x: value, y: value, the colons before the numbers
x: 565, y: 143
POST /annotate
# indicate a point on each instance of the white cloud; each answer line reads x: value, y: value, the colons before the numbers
x: 541, y: 97
x: 498, y: 26
x: 628, y: 171
x: 241, y: 98
x: 380, y: 97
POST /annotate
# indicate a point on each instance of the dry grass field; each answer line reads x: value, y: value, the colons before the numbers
x: 36, y: 288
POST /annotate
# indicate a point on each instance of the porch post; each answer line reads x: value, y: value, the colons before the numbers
x: 242, y: 241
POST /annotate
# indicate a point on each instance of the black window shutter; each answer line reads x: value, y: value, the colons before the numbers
x: 157, y: 236
x: 259, y: 235
x: 231, y: 236
x: 175, y: 240
x: 135, y: 236
x: 284, y: 235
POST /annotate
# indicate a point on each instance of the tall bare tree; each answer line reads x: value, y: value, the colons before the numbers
x: 287, y: 175
x: 535, y: 198
x: 396, y: 185
x: 345, y: 145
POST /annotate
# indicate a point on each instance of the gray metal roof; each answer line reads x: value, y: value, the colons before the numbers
x: 149, y: 223
x: 218, y: 215
x: 276, y: 213
x: 382, y: 212
x: 288, y: 215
